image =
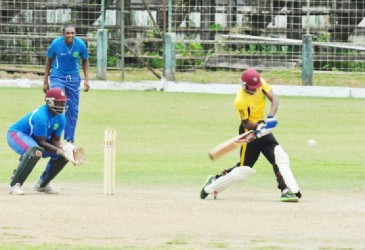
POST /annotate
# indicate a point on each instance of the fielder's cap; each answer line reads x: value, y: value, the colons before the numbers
x: 251, y: 78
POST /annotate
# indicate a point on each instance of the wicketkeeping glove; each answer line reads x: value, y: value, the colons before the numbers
x: 74, y: 155
x: 68, y: 152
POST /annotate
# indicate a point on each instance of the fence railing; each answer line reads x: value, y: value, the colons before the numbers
x: 210, y: 35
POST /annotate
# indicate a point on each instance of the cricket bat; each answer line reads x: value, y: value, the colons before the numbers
x: 235, y: 142
x: 231, y: 144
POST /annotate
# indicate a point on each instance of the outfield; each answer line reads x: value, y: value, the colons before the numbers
x: 162, y: 161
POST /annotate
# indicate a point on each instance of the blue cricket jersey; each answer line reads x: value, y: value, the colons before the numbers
x: 65, y: 58
x: 41, y: 123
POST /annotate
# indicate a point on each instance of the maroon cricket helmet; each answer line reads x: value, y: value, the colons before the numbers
x: 56, y: 100
x: 56, y: 94
x: 251, y: 78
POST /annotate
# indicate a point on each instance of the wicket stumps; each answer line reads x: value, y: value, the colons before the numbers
x: 109, y: 161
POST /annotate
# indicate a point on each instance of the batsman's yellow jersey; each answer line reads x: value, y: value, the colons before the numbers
x: 252, y: 107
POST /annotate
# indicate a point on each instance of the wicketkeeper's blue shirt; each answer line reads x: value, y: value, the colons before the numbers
x: 65, y: 58
x: 41, y: 123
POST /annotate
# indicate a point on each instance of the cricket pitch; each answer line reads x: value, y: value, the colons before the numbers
x: 175, y: 218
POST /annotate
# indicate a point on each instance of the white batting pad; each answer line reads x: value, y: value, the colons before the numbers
x: 282, y: 160
x: 237, y: 174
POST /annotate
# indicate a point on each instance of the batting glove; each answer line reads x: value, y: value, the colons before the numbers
x: 260, y: 126
x: 271, y: 123
x: 264, y: 127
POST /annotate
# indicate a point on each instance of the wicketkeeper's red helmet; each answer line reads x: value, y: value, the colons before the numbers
x: 56, y: 100
x: 251, y: 78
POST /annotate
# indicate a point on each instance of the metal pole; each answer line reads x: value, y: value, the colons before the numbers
x: 272, y: 12
x: 308, y: 16
x: 164, y: 17
x: 170, y: 16
x: 307, y: 54
x: 102, y: 47
x: 151, y: 17
x: 169, y: 48
x: 102, y: 18
x: 307, y: 60
x: 122, y: 39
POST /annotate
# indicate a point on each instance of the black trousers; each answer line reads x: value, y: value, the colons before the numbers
x: 250, y: 152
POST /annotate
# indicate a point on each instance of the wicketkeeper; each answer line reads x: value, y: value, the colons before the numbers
x: 250, y: 104
x: 37, y: 135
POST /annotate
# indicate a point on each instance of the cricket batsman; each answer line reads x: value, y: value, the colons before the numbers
x: 250, y: 104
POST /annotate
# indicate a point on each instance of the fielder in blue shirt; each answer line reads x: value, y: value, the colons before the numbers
x: 37, y: 135
x: 62, y: 71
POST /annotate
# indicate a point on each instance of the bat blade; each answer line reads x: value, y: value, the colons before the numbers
x: 231, y: 144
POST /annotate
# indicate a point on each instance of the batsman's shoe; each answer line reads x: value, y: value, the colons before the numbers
x: 289, y: 197
x: 299, y: 194
x: 16, y: 189
x: 48, y: 189
x: 204, y: 194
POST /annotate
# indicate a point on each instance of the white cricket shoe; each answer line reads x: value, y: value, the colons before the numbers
x: 16, y: 189
x: 48, y: 189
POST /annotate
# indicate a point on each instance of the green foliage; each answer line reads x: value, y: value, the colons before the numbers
x: 191, y: 23
x: 157, y: 62
x: 92, y: 51
x: 112, y: 55
x: 189, y: 54
x: 330, y: 66
x: 272, y: 49
x: 215, y: 27
x: 323, y: 37
x: 189, y: 49
x: 345, y: 66
x: 252, y: 48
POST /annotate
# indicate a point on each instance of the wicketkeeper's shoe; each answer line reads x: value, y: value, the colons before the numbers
x: 209, y: 180
x: 16, y: 189
x: 48, y: 189
x: 289, y: 197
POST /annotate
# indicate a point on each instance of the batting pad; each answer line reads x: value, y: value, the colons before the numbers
x: 26, y: 165
x: 55, y: 167
x: 283, y: 163
x: 237, y: 174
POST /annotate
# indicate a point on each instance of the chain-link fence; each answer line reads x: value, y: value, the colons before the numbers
x: 268, y: 34
x: 211, y: 35
x: 27, y: 27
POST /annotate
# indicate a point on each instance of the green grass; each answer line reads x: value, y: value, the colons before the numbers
x: 278, y: 77
x: 163, y: 138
